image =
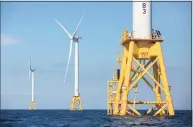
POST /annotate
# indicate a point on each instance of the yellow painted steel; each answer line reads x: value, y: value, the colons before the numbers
x: 32, y: 106
x: 111, y: 90
x: 145, y: 54
x: 76, y: 103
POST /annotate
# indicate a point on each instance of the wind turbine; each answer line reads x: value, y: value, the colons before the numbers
x: 76, y: 104
x: 31, y: 75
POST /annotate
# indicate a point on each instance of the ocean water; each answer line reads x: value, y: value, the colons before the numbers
x: 88, y: 118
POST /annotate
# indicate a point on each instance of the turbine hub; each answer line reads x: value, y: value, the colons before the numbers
x: 76, y: 38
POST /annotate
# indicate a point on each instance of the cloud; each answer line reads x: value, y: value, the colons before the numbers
x: 8, y: 40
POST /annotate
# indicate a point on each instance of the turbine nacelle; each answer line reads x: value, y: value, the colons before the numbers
x: 32, y: 70
x: 76, y: 38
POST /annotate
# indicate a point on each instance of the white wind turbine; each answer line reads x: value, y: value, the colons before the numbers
x: 75, y: 39
x: 31, y: 75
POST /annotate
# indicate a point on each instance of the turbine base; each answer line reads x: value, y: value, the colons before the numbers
x: 32, y: 106
x: 76, y: 103
x: 140, y: 56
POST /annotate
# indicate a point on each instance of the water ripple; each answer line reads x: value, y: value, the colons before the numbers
x: 87, y: 118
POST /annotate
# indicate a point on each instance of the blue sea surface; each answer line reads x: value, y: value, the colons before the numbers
x: 88, y: 118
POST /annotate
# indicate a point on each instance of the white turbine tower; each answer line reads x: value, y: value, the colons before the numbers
x: 73, y: 38
x: 31, y: 75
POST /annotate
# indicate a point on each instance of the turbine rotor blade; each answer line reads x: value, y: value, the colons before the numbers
x: 78, y: 26
x: 64, y: 29
x: 29, y: 68
x: 70, y: 51
x: 29, y: 74
x: 30, y: 64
